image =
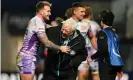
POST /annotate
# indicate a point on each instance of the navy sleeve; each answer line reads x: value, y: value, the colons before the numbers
x: 102, y: 46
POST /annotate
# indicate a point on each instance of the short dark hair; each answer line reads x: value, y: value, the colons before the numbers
x: 41, y: 4
x: 108, y: 18
x: 59, y: 20
x: 102, y: 13
x: 76, y: 5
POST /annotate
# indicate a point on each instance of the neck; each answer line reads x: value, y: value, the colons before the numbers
x: 75, y: 18
x: 40, y: 16
x: 86, y: 19
x: 105, y: 26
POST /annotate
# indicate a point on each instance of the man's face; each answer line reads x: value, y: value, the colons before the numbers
x: 46, y: 12
x: 66, y: 30
x: 79, y: 13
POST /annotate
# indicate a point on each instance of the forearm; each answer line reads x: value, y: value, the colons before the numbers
x: 117, y: 68
x: 93, y: 39
x: 48, y: 43
x: 51, y: 45
x: 94, y: 42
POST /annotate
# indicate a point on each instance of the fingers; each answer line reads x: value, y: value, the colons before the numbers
x: 120, y: 74
x: 65, y: 49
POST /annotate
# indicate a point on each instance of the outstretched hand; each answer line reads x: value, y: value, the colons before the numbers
x: 119, y: 75
x: 64, y: 49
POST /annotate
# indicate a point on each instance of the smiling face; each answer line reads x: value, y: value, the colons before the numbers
x: 43, y: 9
x: 45, y: 12
x: 79, y: 12
x: 66, y: 30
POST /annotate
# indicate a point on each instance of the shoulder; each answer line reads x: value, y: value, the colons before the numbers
x: 94, y: 24
x: 101, y: 32
x: 101, y: 35
x: 35, y: 21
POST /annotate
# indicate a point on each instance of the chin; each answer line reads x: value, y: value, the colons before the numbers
x: 64, y: 37
x: 80, y: 18
x: 47, y: 18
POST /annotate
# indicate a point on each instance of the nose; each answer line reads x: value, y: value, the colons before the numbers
x: 83, y: 13
x: 63, y: 31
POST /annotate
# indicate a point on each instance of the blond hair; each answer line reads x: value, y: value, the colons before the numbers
x: 41, y: 4
x: 88, y: 12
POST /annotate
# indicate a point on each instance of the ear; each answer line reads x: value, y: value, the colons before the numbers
x: 41, y: 12
x: 74, y: 11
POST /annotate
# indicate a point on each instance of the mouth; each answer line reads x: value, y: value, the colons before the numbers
x: 64, y: 36
x: 47, y: 16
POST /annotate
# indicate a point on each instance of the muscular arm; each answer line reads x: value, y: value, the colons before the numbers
x: 93, y: 39
x: 43, y: 38
x: 40, y: 31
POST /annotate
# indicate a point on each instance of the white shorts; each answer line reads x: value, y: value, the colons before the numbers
x: 93, y: 66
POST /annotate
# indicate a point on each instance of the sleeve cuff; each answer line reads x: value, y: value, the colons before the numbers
x: 93, y: 56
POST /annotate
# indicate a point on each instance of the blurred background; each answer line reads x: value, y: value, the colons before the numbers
x: 15, y: 15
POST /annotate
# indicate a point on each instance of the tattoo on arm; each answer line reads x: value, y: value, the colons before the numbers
x: 48, y: 43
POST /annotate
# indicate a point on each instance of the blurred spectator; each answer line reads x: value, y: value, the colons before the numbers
x: 59, y: 20
x: 53, y: 23
x: 56, y: 22
x: 68, y: 13
x: 48, y: 26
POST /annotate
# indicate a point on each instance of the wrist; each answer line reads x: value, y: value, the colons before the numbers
x: 59, y: 47
x: 87, y: 61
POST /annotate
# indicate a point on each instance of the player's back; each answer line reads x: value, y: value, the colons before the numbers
x: 95, y: 28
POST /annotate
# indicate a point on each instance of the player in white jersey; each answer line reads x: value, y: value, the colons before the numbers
x: 78, y: 12
x: 35, y: 33
x: 93, y: 66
